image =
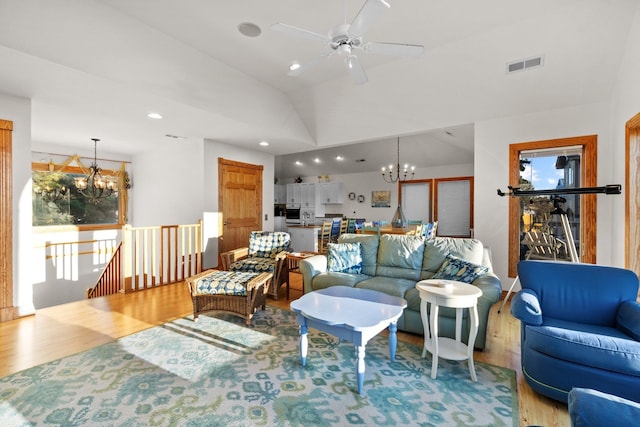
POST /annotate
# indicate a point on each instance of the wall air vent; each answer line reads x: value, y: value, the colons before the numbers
x: 525, y: 64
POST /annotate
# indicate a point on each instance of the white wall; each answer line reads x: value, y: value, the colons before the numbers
x: 492, y: 139
x: 18, y: 110
x: 168, y: 185
x: 625, y: 104
x: 365, y: 183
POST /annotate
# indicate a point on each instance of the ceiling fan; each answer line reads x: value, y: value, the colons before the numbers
x: 346, y: 40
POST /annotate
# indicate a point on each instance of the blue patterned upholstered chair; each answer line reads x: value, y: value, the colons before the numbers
x: 267, y: 252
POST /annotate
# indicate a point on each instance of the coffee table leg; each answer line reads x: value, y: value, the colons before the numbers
x: 304, y: 344
x: 393, y: 340
x: 360, y: 367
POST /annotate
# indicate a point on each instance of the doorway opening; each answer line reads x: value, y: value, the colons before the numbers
x: 565, y: 163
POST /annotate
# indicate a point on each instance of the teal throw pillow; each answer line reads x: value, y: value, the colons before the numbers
x: 454, y: 268
x: 344, y: 258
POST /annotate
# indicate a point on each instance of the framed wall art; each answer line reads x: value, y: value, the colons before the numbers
x: 381, y: 199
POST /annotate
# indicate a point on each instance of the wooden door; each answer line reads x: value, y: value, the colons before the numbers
x: 7, y: 310
x: 239, y: 201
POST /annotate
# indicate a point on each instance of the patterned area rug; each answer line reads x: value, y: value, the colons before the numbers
x: 218, y: 372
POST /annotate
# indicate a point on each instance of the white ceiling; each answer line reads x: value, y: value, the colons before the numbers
x: 95, y: 68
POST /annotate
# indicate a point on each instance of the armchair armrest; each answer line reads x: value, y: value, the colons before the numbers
x: 490, y: 286
x: 229, y: 257
x: 628, y: 319
x: 311, y: 267
x: 525, y: 307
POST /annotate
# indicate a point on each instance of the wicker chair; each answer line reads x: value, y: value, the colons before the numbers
x: 267, y: 253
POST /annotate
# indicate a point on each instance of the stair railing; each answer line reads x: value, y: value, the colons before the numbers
x: 151, y: 256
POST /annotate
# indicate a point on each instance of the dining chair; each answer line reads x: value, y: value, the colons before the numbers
x: 351, y: 225
x: 344, y: 225
x: 370, y: 230
x: 324, y: 238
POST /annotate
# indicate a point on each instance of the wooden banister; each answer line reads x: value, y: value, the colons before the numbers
x: 151, y: 256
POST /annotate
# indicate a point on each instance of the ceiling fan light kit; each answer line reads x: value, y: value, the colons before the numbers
x: 345, y: 39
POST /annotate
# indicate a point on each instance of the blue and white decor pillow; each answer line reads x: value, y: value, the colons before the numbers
x: 454, y: 268
x: 344, y: 258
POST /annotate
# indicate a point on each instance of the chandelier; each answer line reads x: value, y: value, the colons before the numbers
x: 51, y: 193
x: 94, y: 186
x: 390, y: 177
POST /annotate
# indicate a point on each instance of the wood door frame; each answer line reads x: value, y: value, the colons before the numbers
x: 632, y: 187
x: 588, y: 202
x: 7, y: 309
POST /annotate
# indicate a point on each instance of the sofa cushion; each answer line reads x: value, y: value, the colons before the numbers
x: 400, y: 256
x: 454, y: 268
x: 326, y: 280
x: 224, y: 283
x: 369, y: 250
x: 388, y: 285
x: 259, y: 265
x: 437, y: 248
x: 344, y: 258
x: 600, y: 347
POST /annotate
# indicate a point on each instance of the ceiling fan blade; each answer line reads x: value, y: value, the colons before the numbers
x: 356, y: 71
x: 299, y: 32
x: 302, y: 68
x: 395, y: 49
x: 367, y: 14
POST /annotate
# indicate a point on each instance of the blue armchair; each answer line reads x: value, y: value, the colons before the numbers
x: 580, y: 327
x: 266, y: 253
x: 591, y: 408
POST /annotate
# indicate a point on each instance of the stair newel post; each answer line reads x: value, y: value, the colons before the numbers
x: 127, y: 258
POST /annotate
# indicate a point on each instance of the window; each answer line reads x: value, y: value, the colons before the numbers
x: 446, y: 200
x: 57, y: 201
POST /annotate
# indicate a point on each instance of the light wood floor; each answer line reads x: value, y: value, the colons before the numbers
x: 66, y: 329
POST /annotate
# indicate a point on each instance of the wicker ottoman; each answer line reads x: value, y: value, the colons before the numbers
x: 233, y: 292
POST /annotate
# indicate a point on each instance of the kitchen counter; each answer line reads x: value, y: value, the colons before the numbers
x: 304, y: 238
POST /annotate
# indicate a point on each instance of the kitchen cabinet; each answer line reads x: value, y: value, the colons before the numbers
x: 280, y: 194
x: 294, y: 193
x: 307, y: 195
x: 331, y: 192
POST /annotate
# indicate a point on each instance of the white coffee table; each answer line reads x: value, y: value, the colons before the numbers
x: 458, y: 295
x: 351, y: 314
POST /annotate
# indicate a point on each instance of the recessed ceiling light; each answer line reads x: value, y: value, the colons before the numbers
x: 317, y: 160
x: 154, y: 115
x: 249, y: 29
x: 339, y: 158
x: 294, y: 66
x: 264, y: 143
x: 298, y: 163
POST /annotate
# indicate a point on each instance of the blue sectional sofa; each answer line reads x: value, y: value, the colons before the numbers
x: 580, y: 327
x: 393, y: 264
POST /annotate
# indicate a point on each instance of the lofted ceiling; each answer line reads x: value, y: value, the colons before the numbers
x: 95, y: 68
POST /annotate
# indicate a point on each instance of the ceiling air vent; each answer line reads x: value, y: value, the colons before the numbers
x: 525, y: 64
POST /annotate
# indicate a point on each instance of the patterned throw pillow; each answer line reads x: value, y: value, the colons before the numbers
x: 344, y: 258
x: 454, y: 268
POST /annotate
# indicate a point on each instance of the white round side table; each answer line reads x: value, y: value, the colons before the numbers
x: 458, y: 295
